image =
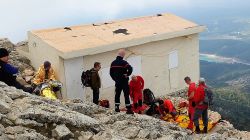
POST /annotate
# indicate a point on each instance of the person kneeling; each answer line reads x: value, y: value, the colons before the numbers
x: 45, y: 73
x: 166, y: 107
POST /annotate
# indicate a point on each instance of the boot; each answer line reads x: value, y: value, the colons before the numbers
x: 117, y: 108
x: 197, y: 130
x: 205, y: 129
x: 129, y: 110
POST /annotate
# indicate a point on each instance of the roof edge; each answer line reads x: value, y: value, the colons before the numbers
x: 133, y: 42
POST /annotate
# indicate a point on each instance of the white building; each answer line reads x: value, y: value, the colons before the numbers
x: 162, y: 48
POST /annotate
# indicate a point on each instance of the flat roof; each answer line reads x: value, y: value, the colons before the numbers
x: 75, y: 41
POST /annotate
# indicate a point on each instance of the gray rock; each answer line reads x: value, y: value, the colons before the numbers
x: 85, y: 136
x: 28, y: 72
x: 28, y: 78
x: 15, y: 130
x: 103, y: 136
x: 144, y: 134
x: 31, y: 136
x: 45, y: 113
x: 4, y: 107
x: 154, y: 135
x: 21, y: 80
x: 130, y: 132
x: 62, y: 132
x: 27, y: 122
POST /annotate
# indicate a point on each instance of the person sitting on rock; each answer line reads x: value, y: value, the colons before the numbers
x: 45, y: 73
x: 166, y: 107
x: 8, y: 72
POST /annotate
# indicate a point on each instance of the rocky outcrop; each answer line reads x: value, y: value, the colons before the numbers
x: 30, y: 116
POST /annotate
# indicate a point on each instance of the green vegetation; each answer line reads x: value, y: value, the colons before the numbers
x: 234, y: 106
x: 232, y: 102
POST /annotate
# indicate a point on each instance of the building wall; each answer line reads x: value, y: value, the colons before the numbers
x: 154, y: 65
x: 73, y: 70
x: 39, y: 52
x: 154, y: 57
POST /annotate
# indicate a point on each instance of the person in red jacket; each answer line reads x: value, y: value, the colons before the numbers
x: 201, y: 108
x: 165, y: 107
x: 136, y: 87
x: 190, y: 94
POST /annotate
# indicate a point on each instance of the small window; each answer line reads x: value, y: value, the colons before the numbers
x: 173, y: 60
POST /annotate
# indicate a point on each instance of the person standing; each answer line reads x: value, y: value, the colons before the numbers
x: 190, y: 94
x: 8, y: 72
x: 136, y: 86
x: 201, y: 108
x: 120, y: 70
x: 95, y: 82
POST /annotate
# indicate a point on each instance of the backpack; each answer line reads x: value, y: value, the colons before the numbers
x: 86, y: 78
x: 148, y: 97
x: 208, y: 96
x: 104, y: 103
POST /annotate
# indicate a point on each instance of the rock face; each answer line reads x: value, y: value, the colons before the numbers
x: 25, y: 116
x: 29, y: 116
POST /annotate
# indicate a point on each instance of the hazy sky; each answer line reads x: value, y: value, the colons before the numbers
x: 19, y: 16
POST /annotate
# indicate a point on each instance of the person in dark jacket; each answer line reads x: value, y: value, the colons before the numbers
x: 8, y: 72
x: 95, y: 81
x: 120, y: 70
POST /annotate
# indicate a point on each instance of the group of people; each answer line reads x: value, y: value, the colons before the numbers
x: 197, y: 105
x: 120, y: 70
x: 8, y: 73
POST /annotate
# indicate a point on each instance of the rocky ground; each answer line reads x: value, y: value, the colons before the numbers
x: 24, y: 116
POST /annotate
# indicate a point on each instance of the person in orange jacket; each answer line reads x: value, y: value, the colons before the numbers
x: 136, y: 86
x: 201, y: 108
x: 165, y: 107
x: 45, y: 72
x: 190, y: 94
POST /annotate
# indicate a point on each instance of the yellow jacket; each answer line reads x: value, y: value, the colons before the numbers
x: 40, y: 75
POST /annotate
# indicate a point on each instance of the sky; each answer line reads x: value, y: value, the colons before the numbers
x: 20, y: 16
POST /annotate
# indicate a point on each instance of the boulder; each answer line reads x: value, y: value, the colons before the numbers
x: 28, y: 72
x: 143, y: 134
x: 130, y: 132
x: 85, y: 136
x: 4, y: 107
x: 61, y: 132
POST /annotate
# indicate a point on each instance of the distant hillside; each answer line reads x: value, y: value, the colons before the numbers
x: 231, y: 85
x: 233, y: 105
x: 222, y: 74
x: 229, y: 48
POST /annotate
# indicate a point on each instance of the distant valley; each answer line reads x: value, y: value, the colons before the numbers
x: 225, y: 63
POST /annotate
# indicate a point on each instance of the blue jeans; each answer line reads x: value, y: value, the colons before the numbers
x: 197, y: 114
